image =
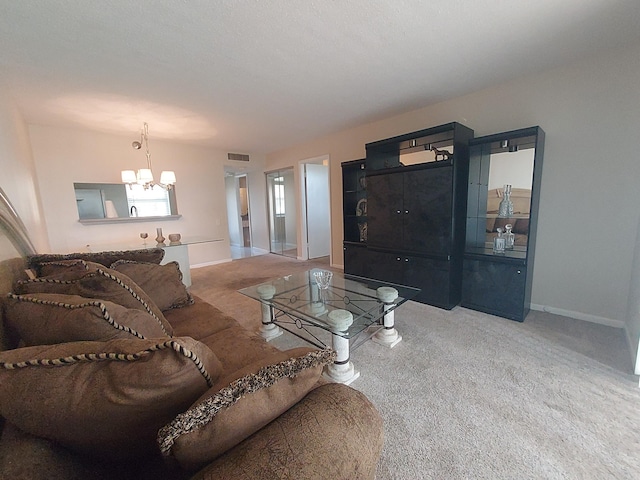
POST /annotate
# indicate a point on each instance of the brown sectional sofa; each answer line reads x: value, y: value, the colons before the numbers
x: 229, y: 404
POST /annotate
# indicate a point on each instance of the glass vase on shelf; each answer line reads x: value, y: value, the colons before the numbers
x: 505, y: 209
x: 499, y: 242
x: 509, y: 237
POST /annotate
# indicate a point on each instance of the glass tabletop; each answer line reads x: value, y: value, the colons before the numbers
x: 150, y: 243
x: 298, y: 295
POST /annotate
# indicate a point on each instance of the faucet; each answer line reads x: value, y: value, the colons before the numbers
x: 133, y: 209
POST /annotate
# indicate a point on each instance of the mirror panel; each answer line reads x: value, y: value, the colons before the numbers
x: 97, y: 201
x: 404, y: 151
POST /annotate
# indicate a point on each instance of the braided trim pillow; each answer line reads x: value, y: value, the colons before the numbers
x: 204, y: 418
x: 163, y: 283
x: 120, y: 357
x: 45, y: 318
x: 104, y: 399
x: 151, y: 255
x: 83, y: 286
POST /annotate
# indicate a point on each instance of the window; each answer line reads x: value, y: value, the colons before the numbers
x: 278, y: 194
x: 152, y: 202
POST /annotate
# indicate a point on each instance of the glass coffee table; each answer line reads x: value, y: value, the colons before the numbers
x: 348, y: 307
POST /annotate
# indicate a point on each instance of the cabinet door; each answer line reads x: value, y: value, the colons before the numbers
x: 496, y: 288
x: 385, y: 210
x: 427, y: 210
x: 385, y: 266
x: 355, y: 259
x: 432, y: 277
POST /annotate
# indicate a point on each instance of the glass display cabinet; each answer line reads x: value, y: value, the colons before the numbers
x: 503, y: 194
x: 354, y: 215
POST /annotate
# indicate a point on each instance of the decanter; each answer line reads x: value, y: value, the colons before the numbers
x: 498, y: 242
x: 509, y: 237
x: 505, y: 209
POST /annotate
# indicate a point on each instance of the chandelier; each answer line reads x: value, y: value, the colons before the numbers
x: 144, y: 176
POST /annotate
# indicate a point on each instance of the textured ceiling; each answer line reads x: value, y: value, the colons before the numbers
x: 255, y: 76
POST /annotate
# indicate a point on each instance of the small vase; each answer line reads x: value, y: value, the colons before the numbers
x: 505, y: 209
x: 159, y: 238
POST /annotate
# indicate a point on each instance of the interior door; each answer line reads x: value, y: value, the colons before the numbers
x: 318, y: 214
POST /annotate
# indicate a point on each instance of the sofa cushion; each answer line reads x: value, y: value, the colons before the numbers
x: 45, y: 318
x: 99, y: 283
x: 106, y: 399
x: 67, y: 269
x: 163, y: 283
x: 334, y: 432
x: 240, y: 404
x: 198, y: 320
x: 151, y: 255
x: 236, y: 347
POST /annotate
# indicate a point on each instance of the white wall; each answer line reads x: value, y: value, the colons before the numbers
x: 63, y: 156
x: 590, y: 112
x: 17, y: 171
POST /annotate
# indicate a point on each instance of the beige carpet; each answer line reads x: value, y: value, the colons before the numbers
x: 469, y: 395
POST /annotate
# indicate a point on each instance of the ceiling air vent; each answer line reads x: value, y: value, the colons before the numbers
x: 241, y: 157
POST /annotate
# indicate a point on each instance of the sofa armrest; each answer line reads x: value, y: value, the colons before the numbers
x: 334, y: 432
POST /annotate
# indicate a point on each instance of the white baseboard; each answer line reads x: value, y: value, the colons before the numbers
x: 579, y: 316
x: 208, y: 264
x: 337, y: 265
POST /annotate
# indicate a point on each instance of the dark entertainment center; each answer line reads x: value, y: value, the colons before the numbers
x: 424, y: 209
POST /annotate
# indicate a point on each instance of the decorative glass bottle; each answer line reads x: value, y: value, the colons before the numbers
x: 509, y: 237
x: 505, y: 209
x: 498, y: 242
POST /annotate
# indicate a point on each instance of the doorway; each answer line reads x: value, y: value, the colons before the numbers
x: 238, y: 213
x: 283, y: 237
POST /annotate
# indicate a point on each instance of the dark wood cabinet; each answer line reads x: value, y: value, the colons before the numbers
x: 505, y: 172
x: 495, y: 287
x: 411, y: 210
x: 356, y: 259
x: 416, y: 198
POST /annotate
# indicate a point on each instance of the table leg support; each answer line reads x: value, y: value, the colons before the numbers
x: 388, y: 335
x: 342, y: 369
x: 268, y: 329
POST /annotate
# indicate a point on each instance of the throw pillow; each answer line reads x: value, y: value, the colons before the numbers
x: 163, y: 283
x: 105, y: 399
x: 240, y: 404
x: 151, y: 255
x: 45, y: 318
x: 102, y: 283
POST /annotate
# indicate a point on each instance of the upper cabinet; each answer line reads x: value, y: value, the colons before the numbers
x: 436, y: 144
x: 503, y: 191
x: 505, y: 171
